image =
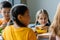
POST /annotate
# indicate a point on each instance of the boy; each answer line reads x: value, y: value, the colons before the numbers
x: 5, y: 11
x: 19, y: 30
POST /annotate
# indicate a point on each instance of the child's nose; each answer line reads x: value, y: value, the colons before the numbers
x: 6, y: 14
x: 43, y: 19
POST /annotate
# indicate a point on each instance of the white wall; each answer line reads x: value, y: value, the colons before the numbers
x: 49, y: 5
x: 2, y: 0
x: 15, y: 1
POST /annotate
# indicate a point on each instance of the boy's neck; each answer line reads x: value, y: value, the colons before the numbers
x: 15, y: 25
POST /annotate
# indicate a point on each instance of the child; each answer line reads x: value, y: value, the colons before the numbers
x: 42, y: 20
x: 55, y: 26
x: 42, y: 17
x: 19, y: 31
x: 5, y: 11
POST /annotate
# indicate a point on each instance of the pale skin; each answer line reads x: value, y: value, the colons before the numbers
x: 6, y: 15
x: 42, y: 20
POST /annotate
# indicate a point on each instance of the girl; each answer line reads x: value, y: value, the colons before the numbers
x: 42, y: 17
x: 42, y: 20
x: 42, y: 23
x: 19, y: 30
x: 55, y: 26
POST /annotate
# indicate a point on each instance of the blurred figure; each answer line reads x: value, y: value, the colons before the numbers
x: 42, y: 21
x: 55, y: 26
x: 19, y: 31
x: 5, y: 11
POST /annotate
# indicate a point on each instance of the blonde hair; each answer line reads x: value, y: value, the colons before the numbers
x: 42, y: 11
x: 56, y: 21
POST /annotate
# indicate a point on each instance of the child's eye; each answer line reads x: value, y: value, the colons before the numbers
x: 45, y: 18
x: 4, y: 12
x: 41, y: 18
x: 7, y: 12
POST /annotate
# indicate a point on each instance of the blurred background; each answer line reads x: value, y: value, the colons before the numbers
x: 35, y: 5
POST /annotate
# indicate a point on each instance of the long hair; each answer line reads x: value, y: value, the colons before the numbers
x: 56, y: 21
x: 37, y: 16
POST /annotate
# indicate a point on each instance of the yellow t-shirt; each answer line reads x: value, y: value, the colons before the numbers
x: 41, y: 30
x: 22, y: 33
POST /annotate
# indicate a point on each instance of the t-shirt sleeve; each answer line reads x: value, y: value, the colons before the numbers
x: 6, y: 33
x: 32, y: 35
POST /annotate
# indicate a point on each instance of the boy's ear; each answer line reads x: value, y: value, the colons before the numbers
x: 19, y: 17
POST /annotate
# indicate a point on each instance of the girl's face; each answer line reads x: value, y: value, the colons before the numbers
x: 25, y: 19
x: 42, y: 19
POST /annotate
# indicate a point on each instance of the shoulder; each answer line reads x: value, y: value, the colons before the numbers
x: 8, y: 28
x: 29, y: 30
x: 6, y: 31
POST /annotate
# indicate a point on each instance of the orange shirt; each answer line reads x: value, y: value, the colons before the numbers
x: 3, y: 23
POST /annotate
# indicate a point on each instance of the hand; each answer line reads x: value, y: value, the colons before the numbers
x: 3, y: 25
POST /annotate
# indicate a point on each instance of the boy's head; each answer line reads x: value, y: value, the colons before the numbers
x: 5, y: 9
x: 20, y: 14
